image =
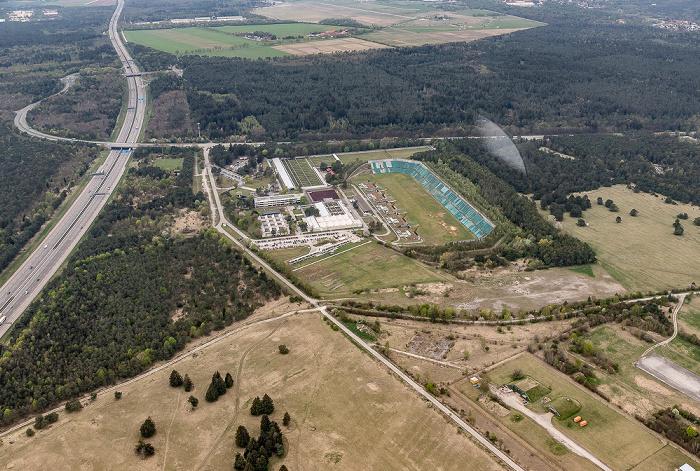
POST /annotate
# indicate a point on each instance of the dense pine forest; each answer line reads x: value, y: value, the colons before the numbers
x: 133, y: 293
x: 36, y: 178
x: 559, y: 78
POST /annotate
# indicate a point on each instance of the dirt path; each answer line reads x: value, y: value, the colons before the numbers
x: 681, y: 299
x: 167, y: 435
x: 545, y: 420
x: 236, y: 399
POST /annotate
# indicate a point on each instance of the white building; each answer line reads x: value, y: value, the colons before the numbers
x: 332, y: 215
x: 277, y: 200
x: 282, y: 174
x: 273, y: 223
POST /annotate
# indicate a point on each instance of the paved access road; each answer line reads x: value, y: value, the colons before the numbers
x: 26, y: 283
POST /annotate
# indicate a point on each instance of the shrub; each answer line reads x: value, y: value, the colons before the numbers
x: 283, y: 349
x: 148, y: 428
x: 117, y: 394
x: 73, y: 405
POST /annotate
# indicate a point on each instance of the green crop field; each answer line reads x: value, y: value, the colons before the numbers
x: 435, y: 224
x: 221, y: 41
x: 301, y: 172
x: 369, y: 266
x: 616, y: 440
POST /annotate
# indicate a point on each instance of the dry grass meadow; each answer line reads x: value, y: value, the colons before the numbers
x: 641, y: 252
x: 401, y: 37
x: 347, y: 413
x: 329, y: 46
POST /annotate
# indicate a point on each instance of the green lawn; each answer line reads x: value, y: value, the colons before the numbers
x: 617, y: 441
x: 435, y: 224
x: 565, y: 406
x: 584, y: 270
x: 168, y: 164
x: 369, y: 266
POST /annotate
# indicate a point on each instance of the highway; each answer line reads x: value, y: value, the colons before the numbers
x: 27, y: 282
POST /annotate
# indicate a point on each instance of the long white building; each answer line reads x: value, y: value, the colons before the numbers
x: 282, y: 174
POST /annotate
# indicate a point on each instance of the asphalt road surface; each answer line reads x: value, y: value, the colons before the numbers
x: 26, y: 283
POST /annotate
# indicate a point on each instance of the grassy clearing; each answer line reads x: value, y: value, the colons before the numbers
x: 566, y: 407
x: 168, y: 164
x: 370, y: 266
x: 380, y: 154
x: 435, y: 224
x: 689, y: 316
x: 584, y: 270
x: 334, y: 416
x: 281, y: 30
x: 614, y: 439
x: 641, y: 252
x: 666, y: 458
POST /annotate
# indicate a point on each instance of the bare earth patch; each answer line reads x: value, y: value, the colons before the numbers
x: 329, y: 46
x: 652, y: 386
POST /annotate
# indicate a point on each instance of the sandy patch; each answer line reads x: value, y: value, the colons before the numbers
x: 329, y: 46
x: 651, y: 385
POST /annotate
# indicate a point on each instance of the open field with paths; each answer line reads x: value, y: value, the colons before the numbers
x: 641, y: 252
x: 334, y: 423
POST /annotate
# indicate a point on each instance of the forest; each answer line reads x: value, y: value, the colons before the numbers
x: 555, y: 79
x: 133, y: 293
x: 36, y: 177
x: 661, y: 163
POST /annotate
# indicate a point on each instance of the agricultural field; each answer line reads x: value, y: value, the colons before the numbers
x: 334, y: 416
x: 301, y: 172
x: 329, y: 46
x: 641, y: 252
x: 222, y: 41
x: 367, y: 267
x: 405, y: 23
x: 380, y: 154
x: 617, y: 440
x: 434, y: 224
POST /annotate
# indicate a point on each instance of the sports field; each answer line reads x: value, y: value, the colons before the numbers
x: 641, y: 252
x: 336, y: 397
x: 619, y: 442
x: 369, y: 266
x: 434, y: 224
x: 221, y: 40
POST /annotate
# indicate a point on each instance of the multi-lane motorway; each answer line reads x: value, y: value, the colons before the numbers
x: 26, y: 283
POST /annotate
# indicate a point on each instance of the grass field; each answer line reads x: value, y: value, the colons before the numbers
x: 346, y: 413
x: 616, y: 440
x: 168, y: 164
x: 641, y: 252
x: 689, y: 316
x: 220, y: 41
x: 435, y: 224
x: 370, y: 266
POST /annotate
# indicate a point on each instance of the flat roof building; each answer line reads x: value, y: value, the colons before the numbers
x: 277, y: 200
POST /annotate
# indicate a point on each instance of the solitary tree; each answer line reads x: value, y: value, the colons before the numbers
x: 229, y: 380
x: 117, y: 394
x: 618, y: 219
x: 187, y: 383
x: 581, y: 223
x: 286, y: 419
x: 148, y: 428
x: 283, y: 349
x: 175, y: 379
x: 194, y: 401
x: 144, y: 449
x: 242, y: 437
x: 634, y: 212
x: 600, y: 201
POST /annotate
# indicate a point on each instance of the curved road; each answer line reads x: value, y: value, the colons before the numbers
x: 29, y: 279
